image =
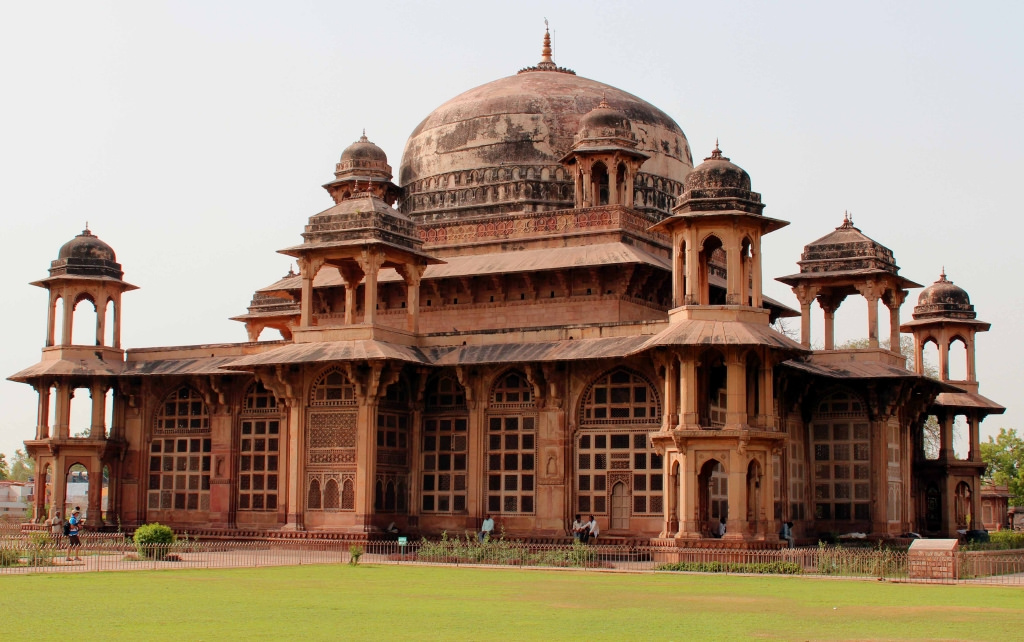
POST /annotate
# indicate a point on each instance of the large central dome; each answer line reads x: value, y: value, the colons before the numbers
x: 478, y: 153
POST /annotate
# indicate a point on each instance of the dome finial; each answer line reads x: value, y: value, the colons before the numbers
x: 716, y: 153
x: 942, y: 276
x: 847, y: 220
x: 363, y: 138
x: 545, y: 53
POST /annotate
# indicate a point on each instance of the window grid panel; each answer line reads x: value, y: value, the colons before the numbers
x: 841, y: 451
x: 511, y: 460
x: 444, y: 465
x: 597, y: 453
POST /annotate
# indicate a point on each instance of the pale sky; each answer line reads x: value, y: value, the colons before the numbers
x: 194, y: 137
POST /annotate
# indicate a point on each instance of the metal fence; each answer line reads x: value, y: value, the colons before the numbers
x: 21, y: 554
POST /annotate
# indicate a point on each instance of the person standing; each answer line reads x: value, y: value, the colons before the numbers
x: 486, y: 528
x: 74, y: 526
x: 592, y: 529
x: 56, y: 525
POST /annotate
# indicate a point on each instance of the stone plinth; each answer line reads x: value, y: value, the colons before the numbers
x: 932, y: 559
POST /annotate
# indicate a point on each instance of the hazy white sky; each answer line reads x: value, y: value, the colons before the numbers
x: 194, y: 137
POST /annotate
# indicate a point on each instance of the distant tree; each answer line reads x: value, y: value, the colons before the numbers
x: 5, y: 471
x: 23, y: 467
x: 1004, y: 457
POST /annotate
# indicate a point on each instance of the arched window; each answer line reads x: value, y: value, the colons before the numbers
x: 333, y: 388
x: 599, y: 182
x: 841, y: 442
x: 259, y: 449
x: 964, y: 518
x: 445, y: 445
x: 332, y: 497
x: 511, y: 446
x: 348, y: 495
x: 179, y: 461
x: 620, y: 397
x: 313, y: 500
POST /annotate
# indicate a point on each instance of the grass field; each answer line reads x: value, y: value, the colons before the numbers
x: 431, y: 603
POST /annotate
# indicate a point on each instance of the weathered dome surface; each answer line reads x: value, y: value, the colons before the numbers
x: 86, y: 246
x: 86, y: 255
x: 846, y: 249
x: 716, y: 172
x: 519, y: 127
x: 604, y: 120
x: 363, y: 150
x: 944, y: 299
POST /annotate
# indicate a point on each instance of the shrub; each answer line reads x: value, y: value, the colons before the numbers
x: 153, y: 540
x: 761, y: 568
x: 1004, y: 540
x: 355, y: 552
x: 10, y: 557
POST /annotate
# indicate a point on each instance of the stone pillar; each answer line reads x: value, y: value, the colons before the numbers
x: 97, y: 429
x: 306, y: 304
x: 805, y: 294
x: 735, y: 526
x: 946, y: 438
x: 94, y: 501
x: 412, y: 274
x: 43, y: 411
x: 366, y: 460
x: 671, y: 412
x: 613, y: 185
x: 972, y: 374
x: 893, y: 301
x: 689, y: 475
x: 829, y: 304
x: 756, y: 294
x: 736, y: 392
x: 295, y: 468
x: 101, y: 321
x: 51, y: 313
x: 688, y: 418
x: 944, y: 357
x: 62, y: 417
x: 370, y: 263
x: 678, y: 277
x: 69, y: 313
x: 59, y: 479
x: 117, y: 323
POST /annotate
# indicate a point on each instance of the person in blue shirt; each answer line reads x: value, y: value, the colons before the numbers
x: 75, y: 525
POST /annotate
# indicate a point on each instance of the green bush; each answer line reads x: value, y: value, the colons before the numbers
x: 153, y: 540
x: 1006, y: 539
x: 10, y: 557
x: 761, y: 568
x: 355, y: 552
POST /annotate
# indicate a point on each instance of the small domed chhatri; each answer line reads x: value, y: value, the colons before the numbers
x: 363, y: 150
x: 717, y: 171
x: 86, y: 255
x: 86, y: 246
x: 944, y: 299
x: 605, y: 122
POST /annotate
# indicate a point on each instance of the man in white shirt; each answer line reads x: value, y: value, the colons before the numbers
x: 593, y: 529
x: 486, y: 528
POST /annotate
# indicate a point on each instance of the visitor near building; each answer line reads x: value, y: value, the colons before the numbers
x: 74, y: 527
x: 56, y: 526
x: 592, y: 529
x: 720, y: 528
x: 577, y: 528
x: 787, y: 533
x: 486, y: 528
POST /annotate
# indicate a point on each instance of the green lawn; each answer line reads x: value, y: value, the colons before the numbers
x: 414, y: 603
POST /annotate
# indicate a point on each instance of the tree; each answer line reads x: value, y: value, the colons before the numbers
x: 1004, y: 457
x: 23, y: 467
x: 5, y: 472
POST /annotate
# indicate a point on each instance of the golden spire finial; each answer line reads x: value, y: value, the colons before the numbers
x: 545, y: 53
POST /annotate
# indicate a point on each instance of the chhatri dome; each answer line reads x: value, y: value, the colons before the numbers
x: 521, y: 126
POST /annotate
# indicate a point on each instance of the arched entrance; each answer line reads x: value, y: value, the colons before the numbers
x: 713, y: 484
x: 754, y: 495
